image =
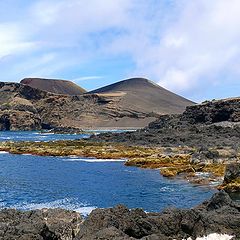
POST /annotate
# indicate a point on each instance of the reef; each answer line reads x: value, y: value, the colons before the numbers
x: 188, y: 162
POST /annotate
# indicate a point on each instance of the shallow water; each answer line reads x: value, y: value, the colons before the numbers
x: 45, y: 136
x: 30, y: 182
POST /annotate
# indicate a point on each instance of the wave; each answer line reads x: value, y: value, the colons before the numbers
x: 85, y: 211
x: 4, y: 152
x: 5, y: 138
x: 214, y: 236
x: 90, y: 160
x: 66, y: 203
x: 166, y: 189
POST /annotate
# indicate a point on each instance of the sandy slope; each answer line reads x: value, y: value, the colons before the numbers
x: 142, y: 94
x: 54, y: 85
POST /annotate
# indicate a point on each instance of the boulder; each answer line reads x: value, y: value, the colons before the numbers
x: 231, y: 182
x: 217, y: 215
x: 45, y: 224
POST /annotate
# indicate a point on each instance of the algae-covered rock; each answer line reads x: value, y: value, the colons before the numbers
x: 231, y: 181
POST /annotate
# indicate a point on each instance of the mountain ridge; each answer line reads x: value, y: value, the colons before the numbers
x: 27, y: 108
x: 57, y: 86
x: 141, y: 93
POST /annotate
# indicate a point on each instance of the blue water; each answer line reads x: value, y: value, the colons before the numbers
x: 45, y: 136
x: 30, y: 182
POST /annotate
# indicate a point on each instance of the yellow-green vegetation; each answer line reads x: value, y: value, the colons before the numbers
x: 217, y: 169
x: 170, y: 161
x: 78, y: 148
x: 170, y: 165
x: 233, y: 186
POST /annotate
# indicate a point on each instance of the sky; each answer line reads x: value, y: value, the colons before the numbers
x: 190, y: 47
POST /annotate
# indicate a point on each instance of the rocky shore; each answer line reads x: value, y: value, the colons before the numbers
x: 201, y: 145
x: 207, y: 125
x: 218, y: 215
x: 198, y: 166
x: 210, y: 131
x: 170, y: 161
x: 64, y: 130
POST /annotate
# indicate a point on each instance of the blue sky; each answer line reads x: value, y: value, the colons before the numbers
x: 189, y: 47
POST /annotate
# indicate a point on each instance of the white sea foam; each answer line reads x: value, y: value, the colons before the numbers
x: 214, y: 236
x: 2, y: 204
x: 92, y: 160
x: 73, y: 159
x: 85, y: 210
x: 66, y: 203
x: 166, y: 189
x: 104, y: 160
x: 202, y: 174
x: 45, y: 133
x: 3, y: 152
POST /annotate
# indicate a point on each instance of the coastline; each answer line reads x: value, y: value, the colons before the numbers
x: 170, y: 161
x: 214, y: 216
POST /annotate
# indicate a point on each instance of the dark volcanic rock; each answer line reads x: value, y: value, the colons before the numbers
x: 231, y: 181
x: 17, y: 109
x: 46, y: 224
x: 218, y: 215
x: 213, y: 112
x: 65, y: 130
x: 212, y: 124
x: 4, y: 122
x: 119, y: 219
x: 232, y: 172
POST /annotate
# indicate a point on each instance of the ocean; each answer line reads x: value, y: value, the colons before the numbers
x: 82, y: 184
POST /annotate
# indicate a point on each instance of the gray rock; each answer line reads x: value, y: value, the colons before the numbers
x: 231, y: 182
x: 45, y: 224
x: 232, y: 172
x: 217, y: 215
x: 211, y: 124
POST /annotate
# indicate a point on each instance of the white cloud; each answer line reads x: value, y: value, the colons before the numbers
x: 200, y: 45
x: 79, y: 79
x: 186, y: 46
x: 12, y: 40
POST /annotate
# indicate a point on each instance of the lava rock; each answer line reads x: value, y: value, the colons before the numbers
x: 217, y: 215
x: 45, y: 224
x: 231, y: 181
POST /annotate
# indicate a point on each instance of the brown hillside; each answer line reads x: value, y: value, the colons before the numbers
x: 145, y: 96
x: 54, y: 86
x: 128, y: 104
